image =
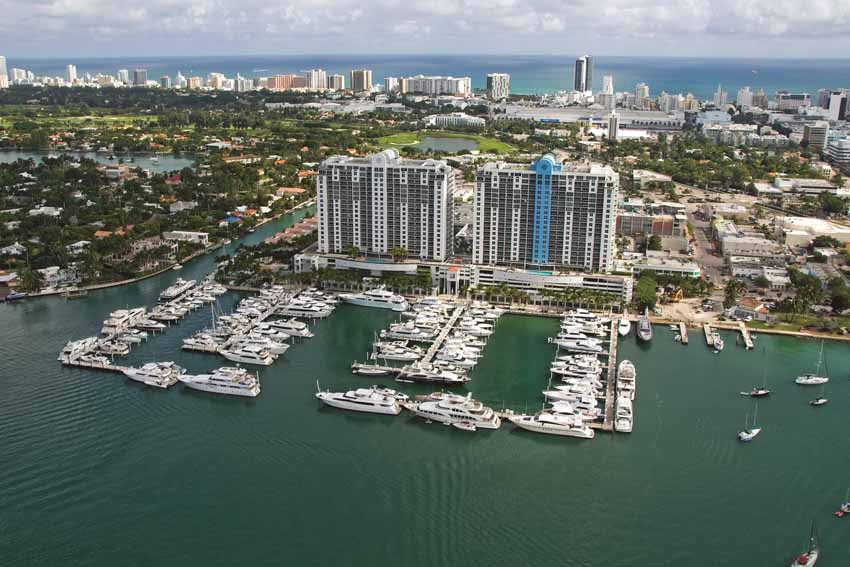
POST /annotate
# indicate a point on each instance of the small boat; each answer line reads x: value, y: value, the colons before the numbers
x: 75, y: 293
x: 16, y: 295
x: 810, y: 556
x: 177, y: 267
x: 464, y: 425
x: 717, y: 342
x: 757, y: 393
x: 749, y: 433
x: 845, y: 506
x: 820, y: 400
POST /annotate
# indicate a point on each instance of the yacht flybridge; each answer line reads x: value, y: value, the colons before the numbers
x: 451, y: 408
x: 157, y: 374
x: 226, y: 380
x: 370, y: 400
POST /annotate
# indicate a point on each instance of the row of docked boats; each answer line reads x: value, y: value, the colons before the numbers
x: 249, y: 336
x: 461, y: 412
x: 582, y: 332
x: 460, y: 330
x: 625, y: 390
x: 233, y: 381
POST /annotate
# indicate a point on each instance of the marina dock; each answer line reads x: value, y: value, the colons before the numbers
x: 610, y: 394
x: 709, y: 334
x: 683, y: 332
x: 745, y: 334
x: 438, y: 342
x: 78, y: 363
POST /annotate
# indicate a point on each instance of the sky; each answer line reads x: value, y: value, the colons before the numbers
x: 709, y: 28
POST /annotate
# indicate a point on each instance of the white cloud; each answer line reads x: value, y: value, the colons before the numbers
x: 612, y: 26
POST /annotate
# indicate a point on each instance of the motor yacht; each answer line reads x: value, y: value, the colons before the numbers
x: 177, y: 289
x: 157, y: 374
x: 274, y: 347
x: 623, y: 415
x: 624, y: 326
x: 75, y: 349
x: 292, y: 327
x: 379, y: 297
x: 132, y: 336
x: 121, y: 320
x: 644, y: 330
x: 431, y: 374
x: 249, y: 354
x: 225, y: 380
x: 113, y: 348
x: 554, y: 424
x: 370, y: 400
x: 452, y: 408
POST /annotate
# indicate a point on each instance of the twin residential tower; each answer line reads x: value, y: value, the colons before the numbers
x: 547, y: 216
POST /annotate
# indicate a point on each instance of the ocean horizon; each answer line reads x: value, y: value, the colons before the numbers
x: 530, y: 74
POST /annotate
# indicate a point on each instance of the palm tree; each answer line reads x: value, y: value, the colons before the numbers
x: 733, y: 290
x: 352, y: 251
x: 398, y: 254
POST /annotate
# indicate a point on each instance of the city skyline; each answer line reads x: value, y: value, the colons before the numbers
x: 641, y: 27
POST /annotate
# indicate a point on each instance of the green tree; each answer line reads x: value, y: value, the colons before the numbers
x: 29, y: 278
x: 645, y: 292
x: 399, y: 254
x: 762, y: 282
x: 654, y: 243
x: 733, y: 290
x: 840, y: 299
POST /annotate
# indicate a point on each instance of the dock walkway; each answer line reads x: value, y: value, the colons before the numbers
x: 441, y: 338
x: 683, y: 332
x: 610, y: 391
x: 745, y: 334
x: 709, y: 334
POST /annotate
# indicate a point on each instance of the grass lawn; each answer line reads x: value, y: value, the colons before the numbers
x: 412, y: 138
x: 801, y: 321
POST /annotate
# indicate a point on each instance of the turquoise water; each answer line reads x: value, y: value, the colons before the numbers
x: 98, y: 471
x: 529, y: 73
x: 166, y: 162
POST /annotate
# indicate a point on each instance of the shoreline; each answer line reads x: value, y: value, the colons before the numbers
x: 184, y: 261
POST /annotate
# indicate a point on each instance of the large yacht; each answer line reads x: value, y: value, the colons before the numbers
x: 626, y: 378
x: 273, y: 346
x: 644, y: 330
x: 292, y: 327
x: 225, y: 380
x: 379, y: 297
x: 305, y: 309
x: 174, y: 291
x: 623, y: 417
x: 371, y: 400
x: 75, y: 349
x: 590, y: 346
x: 450, y: 408
x: 407, y: 331
x: 158, y: 374
x: 122, y: 319
x: 249, y: 354
x: 624, y: 326
x: 397, y: 350
x: 554, y: 423
x: 430, y: 374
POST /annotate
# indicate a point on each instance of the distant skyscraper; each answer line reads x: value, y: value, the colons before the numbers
x: 760, y: 99
x: 123, y: 76
x: 180, y: 81
x: 336, y: 82
x: 71, y: 73
x: 823, y: 98
x: 18, y: 75
x: 498, y: 86
x: 608, y: 84
x: 140, y: 77
x: 391, y: 85
x: 584, y: 74
x: 165, y: 82
x: 719, y: 97
x: 4, y: 75
x: 745, y: 97
x: 613, y: 126
x: 837, y: 105
x: 316, y: 79
x: 216, y: 81
x: 361, y: 80
x: 641, y: 91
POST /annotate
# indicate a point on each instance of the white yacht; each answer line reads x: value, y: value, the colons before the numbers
x: 371, y: 400
x: 149, y: 325
x: 122, y: 319
x: 225, y: 380
x: 623, y: 417
x: 554, y: 424
x: 451, y: 408
x: 624, y: 326
x: 626, y: 379
x: 158, y: 374
x: 430, y: 374
x: 397, y: 350
x: 113, y: 348
x: 132, y: 336
x: 249, y: 354
x: 292, y: 327
x: 592, y: 346
x: 76, y: 349
x: 177, y: 289
x: 814, y: 379
x: 569, y: 408
x: 407, y: 331
x: 379, y: 297
x: 305, y: 309
x: 270, y: 332
x: 273, y: 346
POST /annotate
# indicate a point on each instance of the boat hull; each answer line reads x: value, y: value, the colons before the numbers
x: 549, y: 429
x: 393, y: 409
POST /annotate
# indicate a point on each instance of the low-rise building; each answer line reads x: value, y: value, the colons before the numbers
x: 801, y: 231
x: 456, y: 119
x: 187, y: 236
x: 54, y: 276
x: 180, y: 206
x: 644, y: 177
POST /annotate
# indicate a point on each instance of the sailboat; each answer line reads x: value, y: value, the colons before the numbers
x: 748, y: 434
x: 763, y: 391
x: 810, y: 556
x: 813, y: 379
x: 845, y: 506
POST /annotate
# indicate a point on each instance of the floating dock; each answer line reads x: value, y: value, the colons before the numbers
x: 709, y: 334
x: 683, y: 332
x: 441, y: 338
x: 611, y: 382
x: 745, y: 334
x: 77, y: 363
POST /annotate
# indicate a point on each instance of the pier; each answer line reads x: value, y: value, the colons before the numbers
x: 745, y: 334
x: 610, y: 383
x: 78, y: 363
x: 683, y: 332
x: 441, y: 338
x: 709, y: 334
